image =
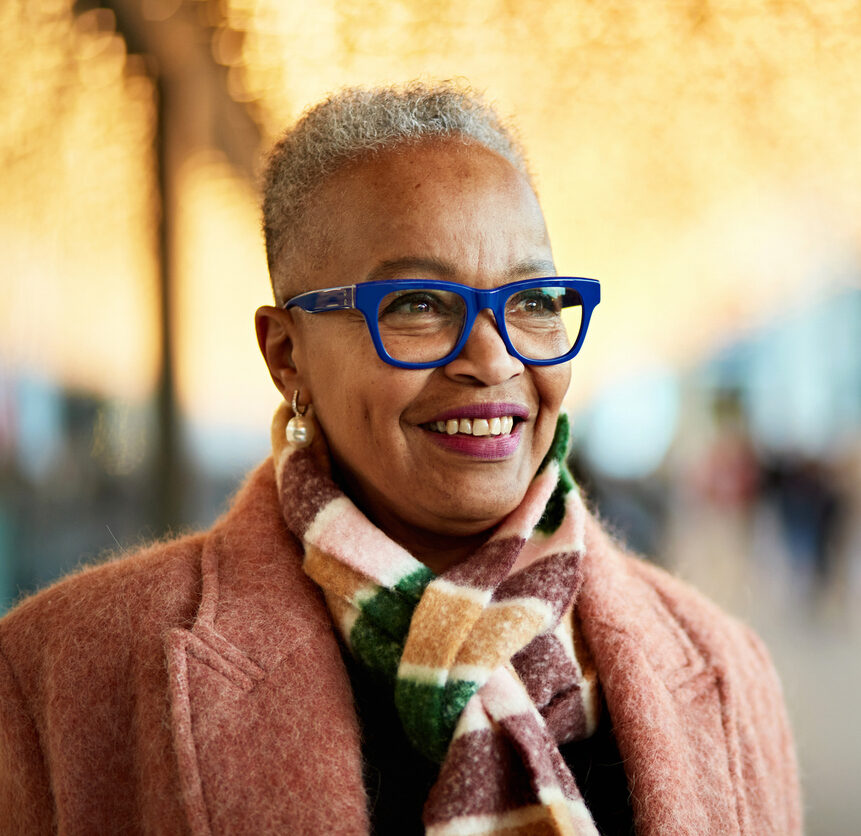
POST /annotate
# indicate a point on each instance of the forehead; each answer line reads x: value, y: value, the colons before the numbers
x: 458, y: 206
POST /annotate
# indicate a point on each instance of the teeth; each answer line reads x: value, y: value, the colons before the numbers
x: 480, y: 426
x: 475, y: 426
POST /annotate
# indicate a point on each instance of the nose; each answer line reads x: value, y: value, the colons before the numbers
x: 484, y: 358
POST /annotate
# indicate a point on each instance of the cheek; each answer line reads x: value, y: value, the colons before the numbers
x: 330, y: 365
x: 552, y: 384
x: 359, y: 400
x: 342, y: 406
x: 328, y: 381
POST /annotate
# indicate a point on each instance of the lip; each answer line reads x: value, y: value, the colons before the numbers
x: 482, y: 410
x: 479, y: 447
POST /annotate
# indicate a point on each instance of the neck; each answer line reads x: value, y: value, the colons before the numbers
x: 438, y: 552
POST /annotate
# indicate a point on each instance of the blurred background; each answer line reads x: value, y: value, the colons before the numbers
x: 700, y: 158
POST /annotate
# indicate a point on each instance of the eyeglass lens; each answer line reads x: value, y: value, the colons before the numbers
x: 424, y: 325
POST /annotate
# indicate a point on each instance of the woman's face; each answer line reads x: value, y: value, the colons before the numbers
x: 442, y: 211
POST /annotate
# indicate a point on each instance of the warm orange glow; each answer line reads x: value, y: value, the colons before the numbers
x: 76, y: 211
x: 221, y: 375
x: 701, y: 159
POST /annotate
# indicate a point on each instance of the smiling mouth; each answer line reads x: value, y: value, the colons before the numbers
x: 503, y: 425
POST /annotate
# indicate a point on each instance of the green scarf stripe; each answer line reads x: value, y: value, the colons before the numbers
x: 430, y: 712
x: 414, y: 584
x: 458, y: 692
x: 379, y: 633
x: 559, y: 446
x: 389, y: 612
x: 380, y: 652
x: 554, y: 511
x: 392, y: 609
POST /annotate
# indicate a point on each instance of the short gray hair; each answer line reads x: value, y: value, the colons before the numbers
x: 358, y: 121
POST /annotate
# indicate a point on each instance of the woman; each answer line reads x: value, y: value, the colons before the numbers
x: 407, y: 621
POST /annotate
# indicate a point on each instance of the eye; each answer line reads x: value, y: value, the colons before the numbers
x: 416, y: 303
x: 535, y: 302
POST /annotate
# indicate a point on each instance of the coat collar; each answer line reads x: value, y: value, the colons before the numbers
x: 261, y: 706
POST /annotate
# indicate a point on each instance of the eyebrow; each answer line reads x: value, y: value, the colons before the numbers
x: 540, y: 266
x: 389, y: 268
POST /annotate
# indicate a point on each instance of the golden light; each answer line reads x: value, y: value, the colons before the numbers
x: 699, y: 158
x: 76, y: 208
x: 220, y: 373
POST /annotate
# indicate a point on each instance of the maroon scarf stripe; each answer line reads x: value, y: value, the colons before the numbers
x: 482, y: 774
x: 489, y: 565
x: 555, y: 579
x: 565, y: 716
x: 305, y: 491
x: 540, y: 753
x: 545, y: 668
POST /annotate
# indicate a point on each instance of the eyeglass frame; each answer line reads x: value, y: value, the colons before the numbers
x: 366, y: 298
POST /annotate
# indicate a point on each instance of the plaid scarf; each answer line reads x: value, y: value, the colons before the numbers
x: 488, y: 669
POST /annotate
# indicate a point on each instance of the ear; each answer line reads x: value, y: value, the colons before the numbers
x: 276, y: 335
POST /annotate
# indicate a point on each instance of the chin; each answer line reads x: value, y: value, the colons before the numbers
x: 473, y: 517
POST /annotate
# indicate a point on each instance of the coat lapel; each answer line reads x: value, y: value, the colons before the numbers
x: 665, y: 698
x: 261, y: 706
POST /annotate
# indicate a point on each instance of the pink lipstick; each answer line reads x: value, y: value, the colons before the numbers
x: 483, y: 410
x: 482, y: 430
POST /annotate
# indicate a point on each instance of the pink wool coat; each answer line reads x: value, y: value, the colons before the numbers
x: 197, y: 687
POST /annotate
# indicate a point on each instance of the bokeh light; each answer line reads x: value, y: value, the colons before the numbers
x: 77, y: 212
x: 700, y: 158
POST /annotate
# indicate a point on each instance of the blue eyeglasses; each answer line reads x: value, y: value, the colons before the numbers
x: 423, y: 323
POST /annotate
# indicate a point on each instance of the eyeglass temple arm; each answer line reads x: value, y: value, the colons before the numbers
x: 331, y: 299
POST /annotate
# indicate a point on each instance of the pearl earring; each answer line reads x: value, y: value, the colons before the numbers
x: 300, y: 430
